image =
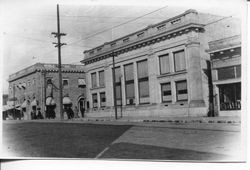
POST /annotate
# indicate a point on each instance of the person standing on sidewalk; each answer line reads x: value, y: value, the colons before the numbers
x: 82, y: 109
x: 76, y: 112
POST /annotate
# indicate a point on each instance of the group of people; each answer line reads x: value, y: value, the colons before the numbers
x: 36, y: 113
x: 73, y: 114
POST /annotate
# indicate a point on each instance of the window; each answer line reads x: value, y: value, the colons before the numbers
x: 164, y: 64
x: 230, y: 96
x: 101, y: 78
x: 129, y: 84
x: 143, y: 85
x: 113, y: 44
x: 49, y: 81
x: 94, y: 98
x: 140, y: 35
x: 181, y: 90
x: 179, y: 60
x: 34, y: 81
x: 118, y: 85
x: 176, y: 21
x: 125, y: 40
x: 103, y: 99
x: 161, y: 27
x: 166, y: 92
x: 229, y: 72
x: 93, y: 80
x: 238, y: 71
x: 81, y: 82
x: 65, y: 83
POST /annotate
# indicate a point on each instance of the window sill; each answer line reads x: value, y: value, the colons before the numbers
x: 172, y: 74
x: 94, y: 88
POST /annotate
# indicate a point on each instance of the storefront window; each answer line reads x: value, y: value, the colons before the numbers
x: 230, y: 96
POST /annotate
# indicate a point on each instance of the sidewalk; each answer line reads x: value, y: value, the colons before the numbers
x: 202, y: 123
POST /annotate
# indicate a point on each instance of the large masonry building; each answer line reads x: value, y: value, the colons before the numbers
x: 162, y: 70
x: 39, y: 83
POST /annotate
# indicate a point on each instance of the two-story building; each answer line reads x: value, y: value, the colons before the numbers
x: 226, y: 75
x: 39, y: 85
x: 160, y: 71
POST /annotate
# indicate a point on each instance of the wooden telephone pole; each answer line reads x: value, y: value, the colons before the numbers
x: 58, y: 34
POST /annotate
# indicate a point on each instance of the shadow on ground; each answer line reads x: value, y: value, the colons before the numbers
x: 135, y: 151
x: 59, y: 140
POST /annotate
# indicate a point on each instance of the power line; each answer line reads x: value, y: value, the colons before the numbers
x: 218, y: 20
x: 117, y: 25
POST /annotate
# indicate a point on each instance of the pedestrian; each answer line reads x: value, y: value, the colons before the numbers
x: 76, y: 112
x: 82, y: 109
x: 39, y: 114
x: 33, y: 113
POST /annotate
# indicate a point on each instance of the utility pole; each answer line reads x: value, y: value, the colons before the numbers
x: 58, y: 45
x: 114, y: 86
x: 14, y: 91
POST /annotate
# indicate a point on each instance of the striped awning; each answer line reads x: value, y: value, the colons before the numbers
x: 24, y: 104
x: 66, y: 100
x: 50, y: 101
x: 34, y: 102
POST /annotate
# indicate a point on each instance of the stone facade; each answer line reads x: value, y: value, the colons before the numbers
x: 31, y: 83
x: 183, y: 88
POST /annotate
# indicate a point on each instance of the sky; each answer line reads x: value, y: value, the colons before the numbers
x: 27, y: 25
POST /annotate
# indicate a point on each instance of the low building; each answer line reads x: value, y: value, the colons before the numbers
x: 160, y: 71
x: 226, y: 75
x: 39, y: 85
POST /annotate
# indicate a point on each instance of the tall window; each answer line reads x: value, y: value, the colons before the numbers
x: 229, y: 72
x: 101, y: 78
x: 93, y: 80
x: 103, y: 99
x: 129, y: 84
x: 179, y: 60
x: 143, y: 85
x: 65, y: 83
x: 166, y: 92
x: 94, y: 98
x: 164, y: 64
x: 181, y: 90
x: 118, y: 86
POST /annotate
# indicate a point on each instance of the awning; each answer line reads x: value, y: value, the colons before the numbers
x: 6, y: 107
x: 50, y: 101
x: 34, y: 102
x: 66, y: 100
x: 24, y: 104
x: 9, y: 107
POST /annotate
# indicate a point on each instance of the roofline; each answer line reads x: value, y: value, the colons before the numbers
x: 149, y: 26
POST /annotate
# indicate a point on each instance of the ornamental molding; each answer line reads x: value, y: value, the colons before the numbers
x: 145, y: 42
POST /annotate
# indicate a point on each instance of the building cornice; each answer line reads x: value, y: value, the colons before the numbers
x: 44, y: 67
x: 162, y: 36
